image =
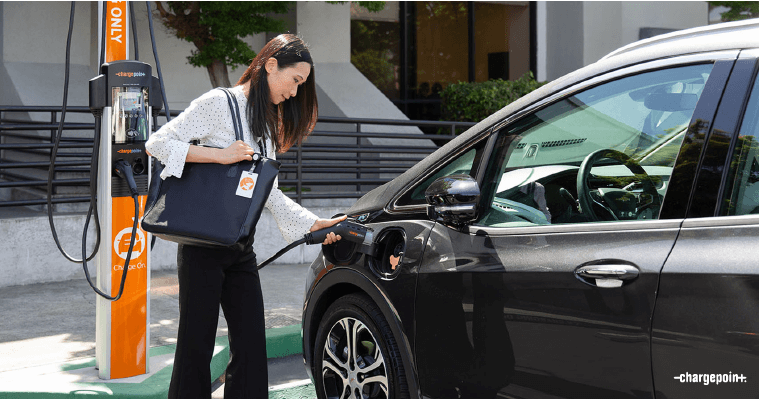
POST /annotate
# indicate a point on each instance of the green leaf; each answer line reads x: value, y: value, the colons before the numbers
x: 372, y: 6
x: 737, y: 10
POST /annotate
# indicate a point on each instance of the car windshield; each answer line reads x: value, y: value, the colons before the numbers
x: 645, y: 116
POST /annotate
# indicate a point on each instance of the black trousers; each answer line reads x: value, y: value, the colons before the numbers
x: 208, y: 277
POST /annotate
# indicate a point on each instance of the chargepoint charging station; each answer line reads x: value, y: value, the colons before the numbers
x: 123, y: 97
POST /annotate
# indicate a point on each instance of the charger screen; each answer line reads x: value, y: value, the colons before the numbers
x: 129, y: 115
x: 130, y: 101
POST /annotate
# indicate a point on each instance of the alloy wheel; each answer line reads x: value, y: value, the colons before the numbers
x: 353, y: 365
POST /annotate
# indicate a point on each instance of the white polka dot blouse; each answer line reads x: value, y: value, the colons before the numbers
x: 209, y: 121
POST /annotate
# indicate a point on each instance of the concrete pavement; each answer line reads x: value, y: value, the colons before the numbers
x: 48, y: 329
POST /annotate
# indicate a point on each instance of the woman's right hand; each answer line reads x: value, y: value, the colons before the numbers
x: 236, y: 152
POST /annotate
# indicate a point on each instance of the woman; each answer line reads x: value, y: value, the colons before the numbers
x: 278, y: 94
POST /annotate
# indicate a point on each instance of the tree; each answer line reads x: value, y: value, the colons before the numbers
x: 373, y: 6
x: 737, y: 10
x: 217, y: 28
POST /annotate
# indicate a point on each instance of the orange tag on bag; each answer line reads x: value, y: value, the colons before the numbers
x: 247, y: 184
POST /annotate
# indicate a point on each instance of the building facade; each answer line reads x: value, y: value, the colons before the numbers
x: 407, y: 52
x: 386, y: 65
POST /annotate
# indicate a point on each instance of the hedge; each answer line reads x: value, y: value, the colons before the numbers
x: 473, y: 102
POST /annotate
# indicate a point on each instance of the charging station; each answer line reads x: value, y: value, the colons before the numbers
x: 121, y: 97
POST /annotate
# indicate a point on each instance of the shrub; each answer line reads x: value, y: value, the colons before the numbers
x: 376, y: 66
x: 473, y: 102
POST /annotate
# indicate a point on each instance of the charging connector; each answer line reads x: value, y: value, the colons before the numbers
x: 347, y: 230
x: 124, y: 171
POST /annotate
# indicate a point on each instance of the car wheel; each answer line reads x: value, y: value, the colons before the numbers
x: 355, y: 354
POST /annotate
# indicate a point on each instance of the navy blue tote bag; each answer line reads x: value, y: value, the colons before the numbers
x: 211, y: 204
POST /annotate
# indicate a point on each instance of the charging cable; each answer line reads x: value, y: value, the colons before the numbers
x: 123, y: 170
x: 54, y: 155
x: 347, y: 230
x: 160, y: 81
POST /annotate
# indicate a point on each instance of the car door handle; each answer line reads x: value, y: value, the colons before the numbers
x: 619, y: 272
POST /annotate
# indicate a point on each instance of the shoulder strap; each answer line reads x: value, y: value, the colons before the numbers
x: 235, y: 113
x: 237, y: 122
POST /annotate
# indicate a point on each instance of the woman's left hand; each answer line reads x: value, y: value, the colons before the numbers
x: 324, y: 223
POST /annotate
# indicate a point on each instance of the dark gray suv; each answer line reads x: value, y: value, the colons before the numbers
x: 598, y: 238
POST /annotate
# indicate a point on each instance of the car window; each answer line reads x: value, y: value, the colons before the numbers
x: 742, y: 192
x: 462, y: 164
x: 603, y: 154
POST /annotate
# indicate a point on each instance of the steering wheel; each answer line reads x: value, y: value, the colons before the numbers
x: 583, y: 189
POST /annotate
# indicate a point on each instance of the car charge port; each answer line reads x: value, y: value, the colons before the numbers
x: 391, y: 247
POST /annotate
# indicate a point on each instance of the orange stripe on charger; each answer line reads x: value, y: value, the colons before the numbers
x: 128, y: 314
x: 115, y: 31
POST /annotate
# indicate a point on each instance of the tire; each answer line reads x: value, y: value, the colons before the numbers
x: 376, y: 370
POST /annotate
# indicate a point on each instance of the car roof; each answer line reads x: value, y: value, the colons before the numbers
x: 717, y: 37
x: 723, y: 36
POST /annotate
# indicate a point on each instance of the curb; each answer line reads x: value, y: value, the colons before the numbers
x: 283, y: 341
x: 297, y: 390
x: 80, y: 377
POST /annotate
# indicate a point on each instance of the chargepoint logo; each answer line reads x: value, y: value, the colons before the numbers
x: 132, y: 151
x: 121, y: 243
x: 709, y: 378
x: 130, y: 74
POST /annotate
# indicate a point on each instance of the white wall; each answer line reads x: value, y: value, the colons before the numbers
x: 601, y: 33
x: 36, y: 32
x: 541, y: 50
x: 661, y: 14
x: 610, y: 25
x: 326, y: 28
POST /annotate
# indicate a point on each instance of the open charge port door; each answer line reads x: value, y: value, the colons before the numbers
x: 390, y: 249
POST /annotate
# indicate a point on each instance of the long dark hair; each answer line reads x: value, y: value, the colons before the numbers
x: 294, y: 119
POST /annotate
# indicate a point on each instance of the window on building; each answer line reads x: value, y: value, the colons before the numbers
x: 412, y: 50
x: 375, y: 46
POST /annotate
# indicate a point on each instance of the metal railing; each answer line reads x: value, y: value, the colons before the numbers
x: 342, y: 158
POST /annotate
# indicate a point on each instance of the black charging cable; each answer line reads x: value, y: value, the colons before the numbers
x: 158, y: 63
x: 280, y: 253
x: 134, y: 32
x: 102, y: 35
x: 54, y: 155
x: 160, y: 81
x: 123, y: 170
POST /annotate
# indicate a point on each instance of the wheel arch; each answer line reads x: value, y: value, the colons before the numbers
x: 338, y: 283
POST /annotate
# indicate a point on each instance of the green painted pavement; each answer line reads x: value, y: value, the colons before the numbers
x: 283, y: 341
x: 41, y: 383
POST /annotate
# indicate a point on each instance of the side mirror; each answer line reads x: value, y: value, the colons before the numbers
x: 453, y: 199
